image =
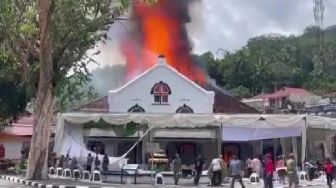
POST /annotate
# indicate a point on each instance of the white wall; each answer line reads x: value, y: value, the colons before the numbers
x: 13, y: 147
x: 183, y: 92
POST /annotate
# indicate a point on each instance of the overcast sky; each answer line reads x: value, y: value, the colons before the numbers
x: 228, y: 24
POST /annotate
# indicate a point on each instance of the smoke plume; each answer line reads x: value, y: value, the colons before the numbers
x: 160, y: 28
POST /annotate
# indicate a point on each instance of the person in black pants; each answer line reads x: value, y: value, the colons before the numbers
x: 216, y: 169
x: 329, y: 170
x: 89, y: 162
x: 268, y: 171
x: 198, y: 168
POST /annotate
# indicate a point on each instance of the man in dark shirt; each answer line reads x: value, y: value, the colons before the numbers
x: 176, y: 166
x: 89, y: 162
x: 97, y: 163
x: 198, y: 168
x: 105, y: 163
x: 61, y: 161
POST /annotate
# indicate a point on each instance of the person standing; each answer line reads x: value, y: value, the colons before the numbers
x: 216, y: 169
x: 248, y: 167
x: 268, y: 171
x: 199, y: 162
x: 89, y: 162
x: 61, y: 161
x: 291, y: 171
x: 235, y: 167
x: 176, y: 166
x: 224, y: 167
x: 280, y: 169
x: 329, y: 170
x: 67, y: 161
x: 54, y: 160
x: 97, y: 163
x: 256, y: 166
x: 74, y: 163
x: 106, y: 163
x: 22, y: 160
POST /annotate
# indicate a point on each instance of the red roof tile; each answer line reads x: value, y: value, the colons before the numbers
x: 284, y: 92
x: 99, y: 105
x: 21, y: 127
x: 225, y: 103
x: 19, y: 130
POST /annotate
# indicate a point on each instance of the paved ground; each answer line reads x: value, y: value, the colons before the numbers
x: 8, y: 184
x: 5, y: 184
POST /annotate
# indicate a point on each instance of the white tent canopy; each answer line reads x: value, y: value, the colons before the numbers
x: 235, y: 127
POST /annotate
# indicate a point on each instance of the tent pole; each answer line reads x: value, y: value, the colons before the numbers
x: 220, y: 140
x: 304, y: 143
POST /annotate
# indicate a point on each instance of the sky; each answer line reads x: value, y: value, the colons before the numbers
x: 228, y: 24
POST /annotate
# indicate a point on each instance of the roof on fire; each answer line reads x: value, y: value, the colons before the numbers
x: 223, y: 103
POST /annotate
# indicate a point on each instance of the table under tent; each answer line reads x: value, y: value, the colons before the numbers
x: 304, y: 133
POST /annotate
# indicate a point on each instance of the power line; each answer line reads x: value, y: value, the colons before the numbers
x: 319, y: 24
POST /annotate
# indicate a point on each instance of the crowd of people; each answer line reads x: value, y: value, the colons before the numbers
x: 72, y: 163
x: 219, y: 170
x: 264, y: 166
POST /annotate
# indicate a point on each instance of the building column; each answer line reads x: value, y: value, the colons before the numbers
x: 283, y: 146
x: 275, y: 147
x: 219, y: 141
x: 144, y: 143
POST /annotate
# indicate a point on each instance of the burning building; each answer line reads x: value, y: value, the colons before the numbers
x: 172, y: 83
x: 169, y: 105
x: 161, y: 89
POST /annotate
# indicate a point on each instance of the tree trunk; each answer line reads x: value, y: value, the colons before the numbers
x: 44, y: 104
x: 38, y: 154
x: 44, y: 108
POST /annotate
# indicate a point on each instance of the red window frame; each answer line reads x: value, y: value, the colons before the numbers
x: 161, y: 92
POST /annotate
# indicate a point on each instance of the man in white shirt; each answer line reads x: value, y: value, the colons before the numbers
x: 216, y: 168
x: 256, y: 166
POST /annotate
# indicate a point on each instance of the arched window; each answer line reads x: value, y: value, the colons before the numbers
x: 184, y: 109
x: 160, y: 91
x: 136, y: 109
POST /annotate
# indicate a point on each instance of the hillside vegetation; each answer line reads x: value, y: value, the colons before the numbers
x: 269, y: 62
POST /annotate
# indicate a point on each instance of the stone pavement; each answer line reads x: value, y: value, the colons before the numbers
x: 16, y: 182
x: 9, y: 184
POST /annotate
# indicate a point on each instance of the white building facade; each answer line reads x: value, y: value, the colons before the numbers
x: 161, y: 89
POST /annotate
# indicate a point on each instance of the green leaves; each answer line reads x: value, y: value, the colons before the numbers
x: 74, y: 27
x: 269, y: 62
x: 13, y: 96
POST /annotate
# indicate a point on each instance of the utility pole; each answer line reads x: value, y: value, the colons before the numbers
x: 319, y: 26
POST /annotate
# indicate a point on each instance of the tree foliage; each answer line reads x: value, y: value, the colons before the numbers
x: 47, y: 39
x: 269, y: 62
x: 13, y: 95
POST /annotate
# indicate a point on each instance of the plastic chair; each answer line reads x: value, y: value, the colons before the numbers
x: 51, y: 171
x: 76, y: 174
x: 66, y: 173
x: 254, y: 178
x: 159, y: 179
x: 59, y: 171
x: 95, y: 176
x: 303, y: 176
x: 321, y: 176
x: 86, y: 175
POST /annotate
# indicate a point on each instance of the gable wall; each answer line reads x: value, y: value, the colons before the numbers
x: 183, y: 92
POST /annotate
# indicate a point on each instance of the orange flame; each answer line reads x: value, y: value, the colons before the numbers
x: 161, y: 30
